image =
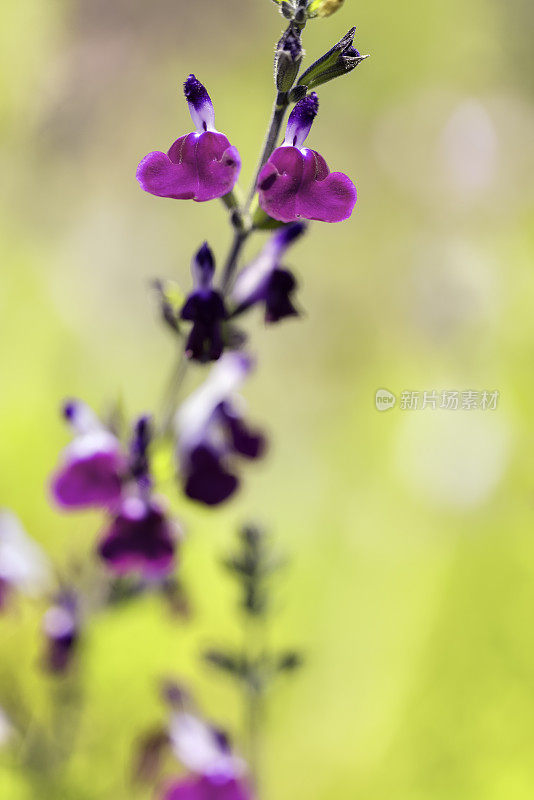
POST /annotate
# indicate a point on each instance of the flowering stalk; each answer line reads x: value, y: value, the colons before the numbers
x: 210, y: 433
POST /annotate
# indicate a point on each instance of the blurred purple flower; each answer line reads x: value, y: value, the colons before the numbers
x: 211, y: 431
x: 265, y: 281
x: 61, y: 626
x: 140, y: 538
x: 93, y: 464
x: 23, y: 565
x: 296, y: 182
x: 216, y: 772
x: 201, y: 788
x: 199, y: 166
x: 205, y: 309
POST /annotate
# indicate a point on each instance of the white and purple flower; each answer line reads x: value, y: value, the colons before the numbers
x: 211, y: 433
x: 297, y: 183
x: 265, y: 281
x: 93, y: 464
x: 199, y: 166
x: 215, y: 772
x: 98, y: 471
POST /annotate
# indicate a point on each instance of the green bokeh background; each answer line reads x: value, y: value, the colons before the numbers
x: 411, y: 586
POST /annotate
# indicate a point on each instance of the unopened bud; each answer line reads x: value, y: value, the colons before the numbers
x: 340, y: 60
x: 287, y: 59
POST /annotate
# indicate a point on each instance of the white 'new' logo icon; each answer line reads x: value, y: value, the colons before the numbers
x: 384, y: 400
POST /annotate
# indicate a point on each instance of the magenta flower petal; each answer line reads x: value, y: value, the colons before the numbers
x: 297, y: 183
x: 207, y: 788
x: 199, y: 166
x: 91, y: 474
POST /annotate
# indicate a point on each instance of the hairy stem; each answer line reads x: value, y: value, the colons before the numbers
x: 273, y: 132
x: 240, y: 236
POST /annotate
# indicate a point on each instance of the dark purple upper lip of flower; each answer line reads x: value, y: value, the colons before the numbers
x: 301, y: 120
x: 141, y: 538
x: 203, y: 266
x: 196, y: 93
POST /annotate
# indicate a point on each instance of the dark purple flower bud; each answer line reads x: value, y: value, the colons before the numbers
x: 265, y: 281
x: 139, y: 464
x: 140, y: 538
x: 296, y: 182
x: 211, y: 433
x: 205, y: 309
x: 199, y: 166
x: 61, y: 627
x: 93, y: 464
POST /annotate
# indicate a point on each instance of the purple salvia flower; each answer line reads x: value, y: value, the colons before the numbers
x: 265, y: 281
x: 199, y: 166
x: 140, y: 538
x: 61, y: 626
x: 296, y: 182
x: 216, y: 772
x: 92, y: 464
x: 205, y: 309
x: 23, y: 565
x: 211, y: 432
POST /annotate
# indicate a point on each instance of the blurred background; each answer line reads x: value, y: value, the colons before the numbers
x: 411, y: 583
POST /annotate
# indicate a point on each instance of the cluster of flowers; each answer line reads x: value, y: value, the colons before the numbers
x: 211, y: 436
x: 295, y: 182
